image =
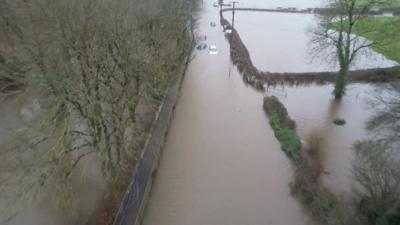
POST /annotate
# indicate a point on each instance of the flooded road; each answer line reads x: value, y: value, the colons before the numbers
x: 221, y: 163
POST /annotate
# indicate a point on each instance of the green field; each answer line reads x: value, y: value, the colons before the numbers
x: 394, y: 3
x: 388, y: 3
x: 385, y: 31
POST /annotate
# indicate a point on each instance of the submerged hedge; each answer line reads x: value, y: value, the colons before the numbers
x: 321, y: 203
x: 283, y: 126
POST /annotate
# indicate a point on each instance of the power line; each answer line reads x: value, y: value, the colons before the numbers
x: 233, y: 13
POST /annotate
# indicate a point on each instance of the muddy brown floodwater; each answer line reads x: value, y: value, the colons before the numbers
x: 314, y: 109
x: 10, y: 119
x: 221, y: 163
x: 278, y: 42
x: 302, y: 4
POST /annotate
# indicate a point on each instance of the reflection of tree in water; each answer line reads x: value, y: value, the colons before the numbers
x: 334, y: 109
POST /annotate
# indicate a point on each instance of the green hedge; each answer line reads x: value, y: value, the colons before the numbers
x: 283, y: 126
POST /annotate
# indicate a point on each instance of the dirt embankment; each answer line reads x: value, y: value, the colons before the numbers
x: 240, y: 56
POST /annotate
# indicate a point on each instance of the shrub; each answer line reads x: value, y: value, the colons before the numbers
x: 290, y: 141
x: 272, y: 105
x: 339, y: 122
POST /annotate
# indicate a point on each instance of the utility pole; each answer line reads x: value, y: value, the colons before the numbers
x: 233, y: 13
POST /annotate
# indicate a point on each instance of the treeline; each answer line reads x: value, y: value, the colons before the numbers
x: 94, y: 64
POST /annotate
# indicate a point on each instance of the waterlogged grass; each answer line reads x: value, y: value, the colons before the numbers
x: 283, y: 126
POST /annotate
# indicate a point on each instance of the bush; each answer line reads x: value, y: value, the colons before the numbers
x: 377, y: 171
x: 339, y: 122
x: 322, y: 204
x: 289, y: 140
x: 272, y: 105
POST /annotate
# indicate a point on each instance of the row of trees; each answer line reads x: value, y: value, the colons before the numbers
x: 93, y: 63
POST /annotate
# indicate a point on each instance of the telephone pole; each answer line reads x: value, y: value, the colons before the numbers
x: 233, y: 13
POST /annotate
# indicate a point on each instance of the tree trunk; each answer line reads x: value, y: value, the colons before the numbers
x: 340, y: 85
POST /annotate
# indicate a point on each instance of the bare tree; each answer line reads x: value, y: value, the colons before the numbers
x: 94, y: 62
x: 386, y: 122
x: 335, y: 30
x: 12, y: 68
x: 377, y: 165
x: 377, y: 171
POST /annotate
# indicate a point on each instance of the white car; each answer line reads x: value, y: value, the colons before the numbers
x: 213, y: 50
x: 228, y: 31
x: 215, y: 4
